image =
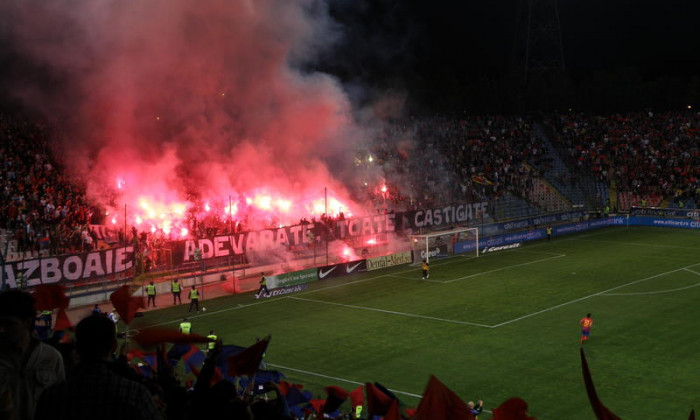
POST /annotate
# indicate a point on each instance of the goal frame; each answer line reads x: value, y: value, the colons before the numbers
x: 425, y: 237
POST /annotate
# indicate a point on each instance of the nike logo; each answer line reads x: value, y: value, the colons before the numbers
x: 350, y: 268
x: 322, y: 274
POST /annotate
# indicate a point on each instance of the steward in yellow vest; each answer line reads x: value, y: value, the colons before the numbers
x: 175, y: 288
x: 185, y: 326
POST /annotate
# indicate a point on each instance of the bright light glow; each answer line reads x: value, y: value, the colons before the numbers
x: 284, y: 205
x: 114, y: 220
x: 263, y: 202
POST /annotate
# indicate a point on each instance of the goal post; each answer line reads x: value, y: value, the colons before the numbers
x: 445, y: 243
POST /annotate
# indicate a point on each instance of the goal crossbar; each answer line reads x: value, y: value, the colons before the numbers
x: 426, y: 237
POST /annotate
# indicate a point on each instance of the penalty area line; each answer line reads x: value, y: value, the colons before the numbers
x: 601, y: 293
x: 505, y: 268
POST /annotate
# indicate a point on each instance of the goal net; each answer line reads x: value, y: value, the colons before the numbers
x: 445, y: 243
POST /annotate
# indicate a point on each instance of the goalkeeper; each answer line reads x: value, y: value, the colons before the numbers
x: 425, y: 267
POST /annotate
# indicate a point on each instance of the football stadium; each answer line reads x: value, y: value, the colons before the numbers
x: 375, y: 209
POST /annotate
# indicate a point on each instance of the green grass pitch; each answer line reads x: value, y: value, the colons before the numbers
x: 498, y: 326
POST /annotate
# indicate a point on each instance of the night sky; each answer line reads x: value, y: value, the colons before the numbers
x: 428, y: 45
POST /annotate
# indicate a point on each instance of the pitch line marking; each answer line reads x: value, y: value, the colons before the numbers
x: 415, y: 279
x: 306, y: 372
x: 658, y: 291
x: 506, y: 268
x: 203, y: 314
x: 364, y: 308
x: 593, y: 295
x: 639, y: 244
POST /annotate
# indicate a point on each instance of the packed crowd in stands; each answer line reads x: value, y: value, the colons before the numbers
x: 445, y: 160
x: 648, y: 154
x: 41, y: 208
x: 425, y: 162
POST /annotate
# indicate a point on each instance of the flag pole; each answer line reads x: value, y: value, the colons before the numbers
x: 325, y: 210
x: 230, y: 233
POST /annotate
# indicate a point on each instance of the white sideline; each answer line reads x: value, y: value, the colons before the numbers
x: 334, y: 378
x: 306, y: 372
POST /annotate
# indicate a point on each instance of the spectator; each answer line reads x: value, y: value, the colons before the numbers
x: 94, y: 390
x: 27, y: 366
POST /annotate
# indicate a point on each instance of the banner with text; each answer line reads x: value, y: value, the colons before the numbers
x: 292, y: 279
x: 287, y: 237
x: 683, y: 213
x: 389, y: 260
x: 74, y: 267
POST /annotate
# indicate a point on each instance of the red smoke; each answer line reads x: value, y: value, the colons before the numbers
x: 172, y: 106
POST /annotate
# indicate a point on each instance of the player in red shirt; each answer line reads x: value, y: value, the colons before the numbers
x: 586, y: 324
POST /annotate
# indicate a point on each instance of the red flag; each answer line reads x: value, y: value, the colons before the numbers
x: 125, y: 304
x: 247, y: 361
x: 441, y: 403
x: 601, y: 411
x: 513, y: 409
x: 62, y: 321
x: 335, y: 397
x: 318, y: 405
x: 378, y: 403
x: 393, y: 413
x: 216, y: 376
x: 284, y: 387
x: 357, y: 396
x: 193, y: 369
x: 154, y: 336
x: 50, y: 296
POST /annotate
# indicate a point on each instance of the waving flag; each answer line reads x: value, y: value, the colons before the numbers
x: 601, y: 411
x: 194, y: 357
x: 125, y: 304
x: 378, y: 403
x: 335, y: 397
x: 357, y: 396
x: 62, y: 321
x: 441, y: 403
x: 154, y: 336
x: 248, y: 361
x: 513, y: 409
x: 50, y: 296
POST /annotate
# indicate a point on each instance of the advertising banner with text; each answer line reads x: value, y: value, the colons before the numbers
x: 291, y: 279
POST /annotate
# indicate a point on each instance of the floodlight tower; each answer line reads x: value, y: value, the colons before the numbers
x: 538, y: 71
x: 544, y: 52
